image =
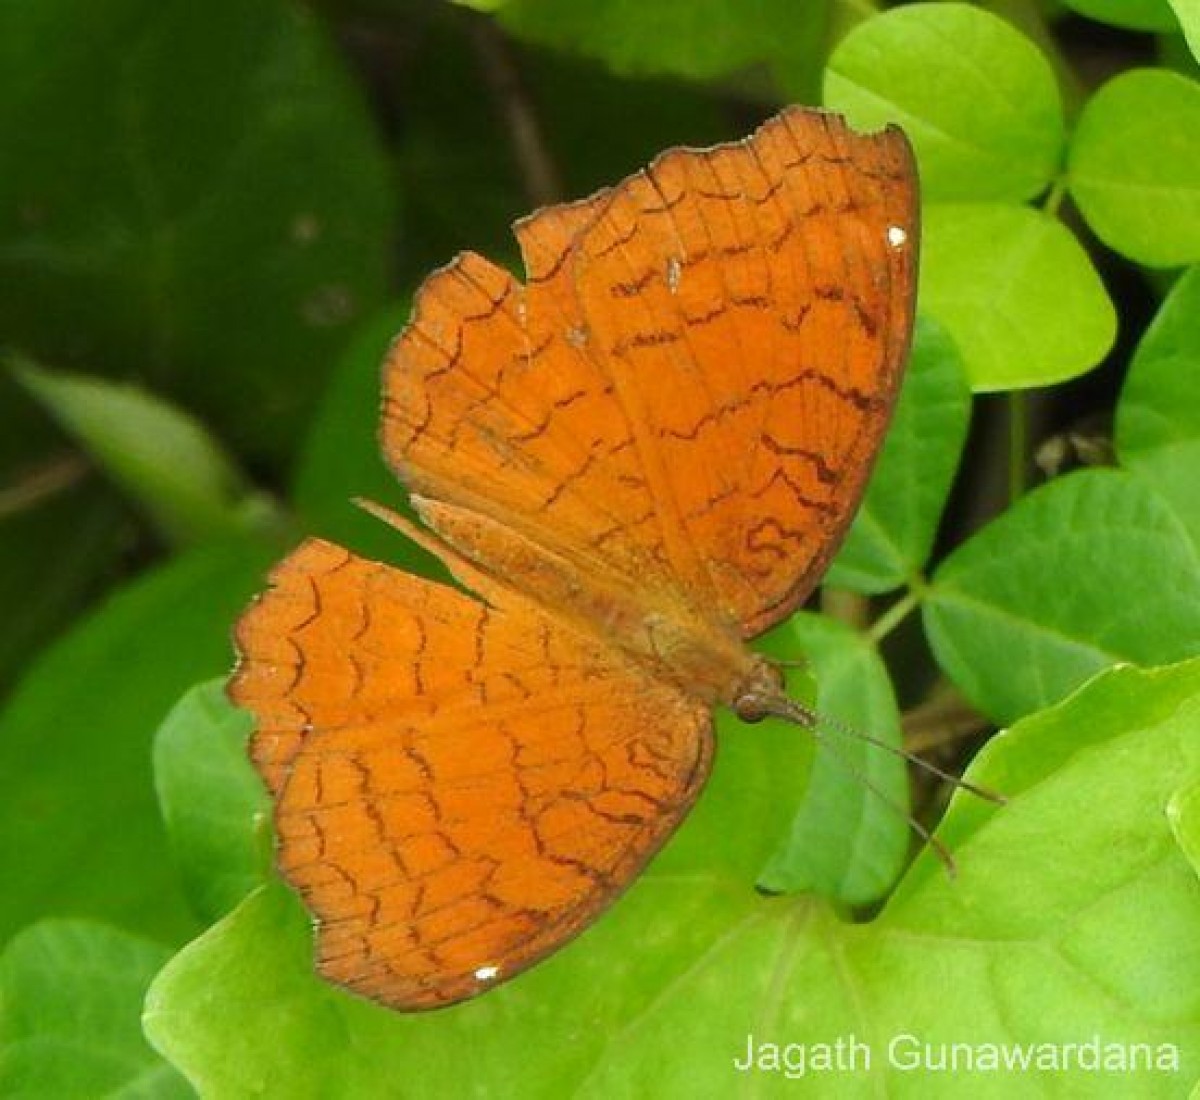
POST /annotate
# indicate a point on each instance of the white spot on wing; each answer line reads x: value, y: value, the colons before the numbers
x: 897, y: 237
x: 674, y: 272
x: 487, y: 973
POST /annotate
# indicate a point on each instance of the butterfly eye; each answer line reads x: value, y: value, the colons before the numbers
x: 751, y: 707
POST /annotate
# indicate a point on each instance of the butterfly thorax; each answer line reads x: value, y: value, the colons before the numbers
x: 656, y: 625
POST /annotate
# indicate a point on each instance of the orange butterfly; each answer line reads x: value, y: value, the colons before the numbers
x: 636, y: 460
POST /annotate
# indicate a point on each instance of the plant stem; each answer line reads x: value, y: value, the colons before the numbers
x: 893, y: 617
x: 50, y: 479
x: 1055, y: 195
x: 543, y: 183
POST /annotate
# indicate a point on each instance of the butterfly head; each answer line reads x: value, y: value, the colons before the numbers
x: 761, y: 692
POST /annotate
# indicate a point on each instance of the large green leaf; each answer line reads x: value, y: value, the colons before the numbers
x: 847, y: 842
x: 77, y: 813
x: 1158, y: 416
x: 70, y: 1007
x: 1135, y: 166
x: 192, y: 194
x: 1017, y: 293
x: 212, y: 802
x: 894, y: 530
x: 1184, y: 813
x: 1028, y: 945
x: 976, y: 98
x: 1085, y: 572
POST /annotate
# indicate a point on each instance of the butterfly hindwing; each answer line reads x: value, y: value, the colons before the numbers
x: 460, y: 788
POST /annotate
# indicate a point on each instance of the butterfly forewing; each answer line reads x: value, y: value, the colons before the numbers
x: 691, y: 387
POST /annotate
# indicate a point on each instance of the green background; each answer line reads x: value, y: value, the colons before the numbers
x: 212, y: 221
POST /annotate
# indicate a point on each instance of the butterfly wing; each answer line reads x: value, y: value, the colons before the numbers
x: 460, y: 787
x: 691, y: 386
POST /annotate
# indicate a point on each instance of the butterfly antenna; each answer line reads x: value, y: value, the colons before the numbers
x: 818, y: 725
x: 806, y: 716
x: 939, y: 849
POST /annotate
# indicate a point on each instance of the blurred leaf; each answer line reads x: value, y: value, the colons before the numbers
x: 211, y: 799
x: 845, y: 842
x: 1135, y: 166
x: 1138, y: 15
x: 454, y: 159
x: 977, y: 99
x: 341, y: 458
x: 699, y: 39
x: 162, y: 457
x: 627, y: 122
x: 893, y: 532
x: 457, y: 160
x: 62, y: 532
x: 70, y: 1010
x: 1023, y: 947
x: 1061, y: 586
x: 1158, y: 415
x: 1188, y: 14
x: 55, y: 554
x: 192, y: 195
x: 77, y: 810
x: 797, y: 69
x: 1017, y: 293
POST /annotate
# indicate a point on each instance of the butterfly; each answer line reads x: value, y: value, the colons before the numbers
x: 633, y: 462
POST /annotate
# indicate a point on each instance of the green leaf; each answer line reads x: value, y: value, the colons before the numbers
x: 465, y: 192
x: 341, y: 458
x: 49, y: 497
x: 845, y: 843
x: 1135, y: 166
x: 1158, y: 415
x: 1138, y: 15
x: 893, y: 533
x: 1183, y: 811
x: 1061, y: 586
x: 192, y: 195
x: 162, y: 457
x: 797, y: 70
x: 212, y: 802
x: 629, y: 121
x: 70, y: 1006
x: 1027, y: 945
x: 976, y: 98
x: 77, y: 807
x: 693, y: 892
x: 1016, y: 292
x: 700, y: 39
x: 1188, y: 14
x: 42, y: 592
